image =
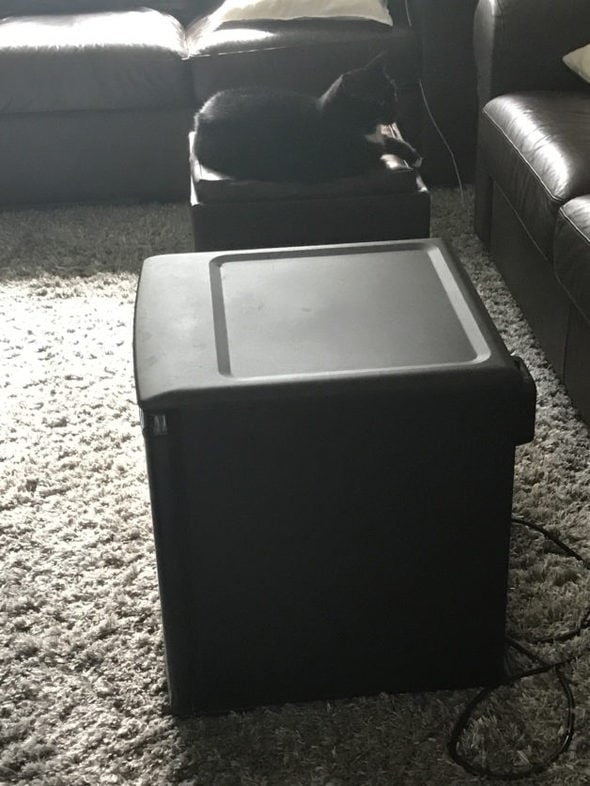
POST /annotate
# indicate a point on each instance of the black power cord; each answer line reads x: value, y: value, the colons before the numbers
x: 432, y: 118
x: 543, y: 667
x: 584, y: 623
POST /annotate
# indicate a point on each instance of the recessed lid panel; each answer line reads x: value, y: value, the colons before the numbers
x: 275, y: 322
x: 314, y: 313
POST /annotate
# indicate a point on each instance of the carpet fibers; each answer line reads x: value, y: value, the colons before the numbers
x: 82, y: 687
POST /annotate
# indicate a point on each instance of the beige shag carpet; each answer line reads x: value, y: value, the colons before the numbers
x: 82, y: 688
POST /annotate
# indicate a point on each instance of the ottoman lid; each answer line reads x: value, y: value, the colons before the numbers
x: 254, y: 324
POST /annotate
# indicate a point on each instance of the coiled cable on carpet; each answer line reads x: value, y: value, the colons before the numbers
x: 543, y: 667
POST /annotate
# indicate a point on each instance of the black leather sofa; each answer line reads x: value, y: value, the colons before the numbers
x: 97, y: 96
x: 533, y: 177
x: 93, y: 106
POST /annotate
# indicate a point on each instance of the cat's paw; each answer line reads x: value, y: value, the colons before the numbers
x: 403, y: 150
x: 411, y: 156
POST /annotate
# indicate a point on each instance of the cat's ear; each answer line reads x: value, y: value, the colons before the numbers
x: 362, y: 76
x: 384, y: 62
x: 380, y: 66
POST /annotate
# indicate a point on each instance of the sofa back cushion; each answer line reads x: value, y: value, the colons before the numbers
x: 305, y: 55
x: 182, y: 9
x: 122, y: 60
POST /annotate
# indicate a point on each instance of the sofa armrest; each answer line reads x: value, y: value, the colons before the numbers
x: 519, y: 44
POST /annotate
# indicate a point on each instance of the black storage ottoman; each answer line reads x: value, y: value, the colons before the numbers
x: 388, y: 203
x: 330, y: 437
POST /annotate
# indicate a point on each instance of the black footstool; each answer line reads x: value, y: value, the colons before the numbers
x: 330, y: 440
x: 389, y: 203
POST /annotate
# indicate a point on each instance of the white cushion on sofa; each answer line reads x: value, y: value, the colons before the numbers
x: 579, y: 61
x: 249, y: 10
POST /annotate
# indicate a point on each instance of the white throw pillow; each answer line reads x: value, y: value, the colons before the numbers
x: 249, y: 10
x: 579, y: 61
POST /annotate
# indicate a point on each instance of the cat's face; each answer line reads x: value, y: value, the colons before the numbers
x: 366, y: 96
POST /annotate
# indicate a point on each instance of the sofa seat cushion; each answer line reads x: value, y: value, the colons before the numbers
x: 104, y: 61
x: 536, y: 148
x: 305, y: 55
x: 572, y: 252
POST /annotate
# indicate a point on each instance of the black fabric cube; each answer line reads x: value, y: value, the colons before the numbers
x: 330, y: 437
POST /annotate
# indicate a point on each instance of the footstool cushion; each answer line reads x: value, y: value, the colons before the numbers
x: 388, y: 203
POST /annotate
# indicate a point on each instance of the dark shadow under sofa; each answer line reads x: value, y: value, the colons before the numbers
x: 97, y: 96
x: 533, y: 179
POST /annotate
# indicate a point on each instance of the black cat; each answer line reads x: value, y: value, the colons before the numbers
x: 259, y: 134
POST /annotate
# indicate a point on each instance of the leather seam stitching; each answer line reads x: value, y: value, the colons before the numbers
x: 556, y: 200
x: 574, y: 226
